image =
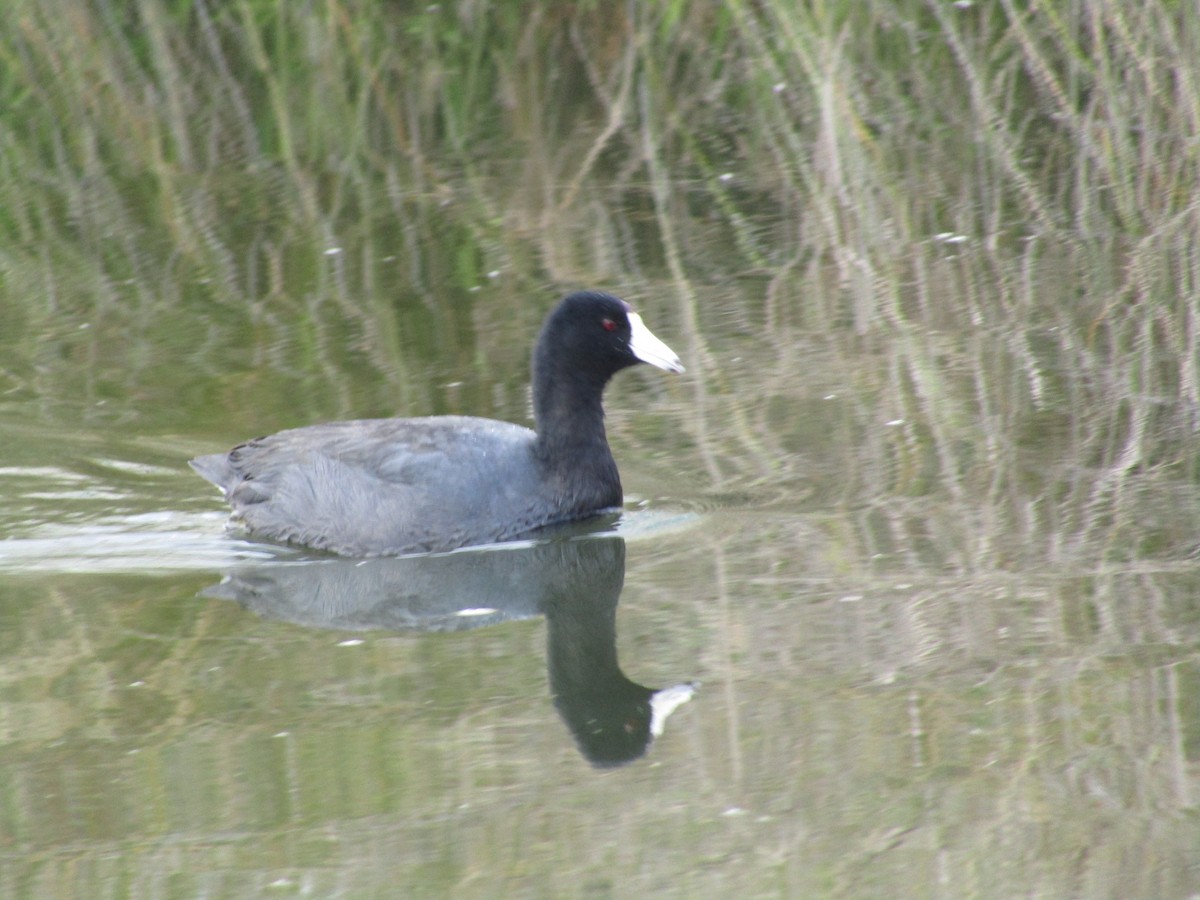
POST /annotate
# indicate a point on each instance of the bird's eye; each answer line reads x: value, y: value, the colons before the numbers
x: 608, y: 324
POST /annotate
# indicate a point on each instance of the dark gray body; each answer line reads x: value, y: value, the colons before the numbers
x: 375, y: 487
x: 370, y: 487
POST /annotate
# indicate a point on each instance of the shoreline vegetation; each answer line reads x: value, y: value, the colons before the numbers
x: 224, y: 134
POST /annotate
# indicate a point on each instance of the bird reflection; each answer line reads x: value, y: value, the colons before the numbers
x: 575, y: 583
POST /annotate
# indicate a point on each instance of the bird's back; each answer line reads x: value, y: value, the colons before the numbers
x: 370, y: 487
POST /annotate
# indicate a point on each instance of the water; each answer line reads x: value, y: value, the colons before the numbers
x: 930, y: 648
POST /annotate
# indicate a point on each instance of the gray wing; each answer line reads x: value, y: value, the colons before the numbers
x: 385, y: 486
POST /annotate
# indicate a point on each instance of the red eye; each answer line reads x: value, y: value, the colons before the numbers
x: 608, y: 324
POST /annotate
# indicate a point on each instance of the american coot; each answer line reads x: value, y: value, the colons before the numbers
x: 389, y: 486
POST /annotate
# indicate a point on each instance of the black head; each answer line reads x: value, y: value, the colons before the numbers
x: 596, y: 335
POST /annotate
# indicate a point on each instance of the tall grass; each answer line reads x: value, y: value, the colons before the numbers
x: 866, y: 125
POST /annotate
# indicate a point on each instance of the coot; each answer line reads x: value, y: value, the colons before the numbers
x: 375, y: 487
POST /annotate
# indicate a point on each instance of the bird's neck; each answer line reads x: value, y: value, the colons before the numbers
x: 571, y: 441
x: 567, y: 407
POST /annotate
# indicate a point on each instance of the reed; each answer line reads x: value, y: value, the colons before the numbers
x: 200, y: 128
